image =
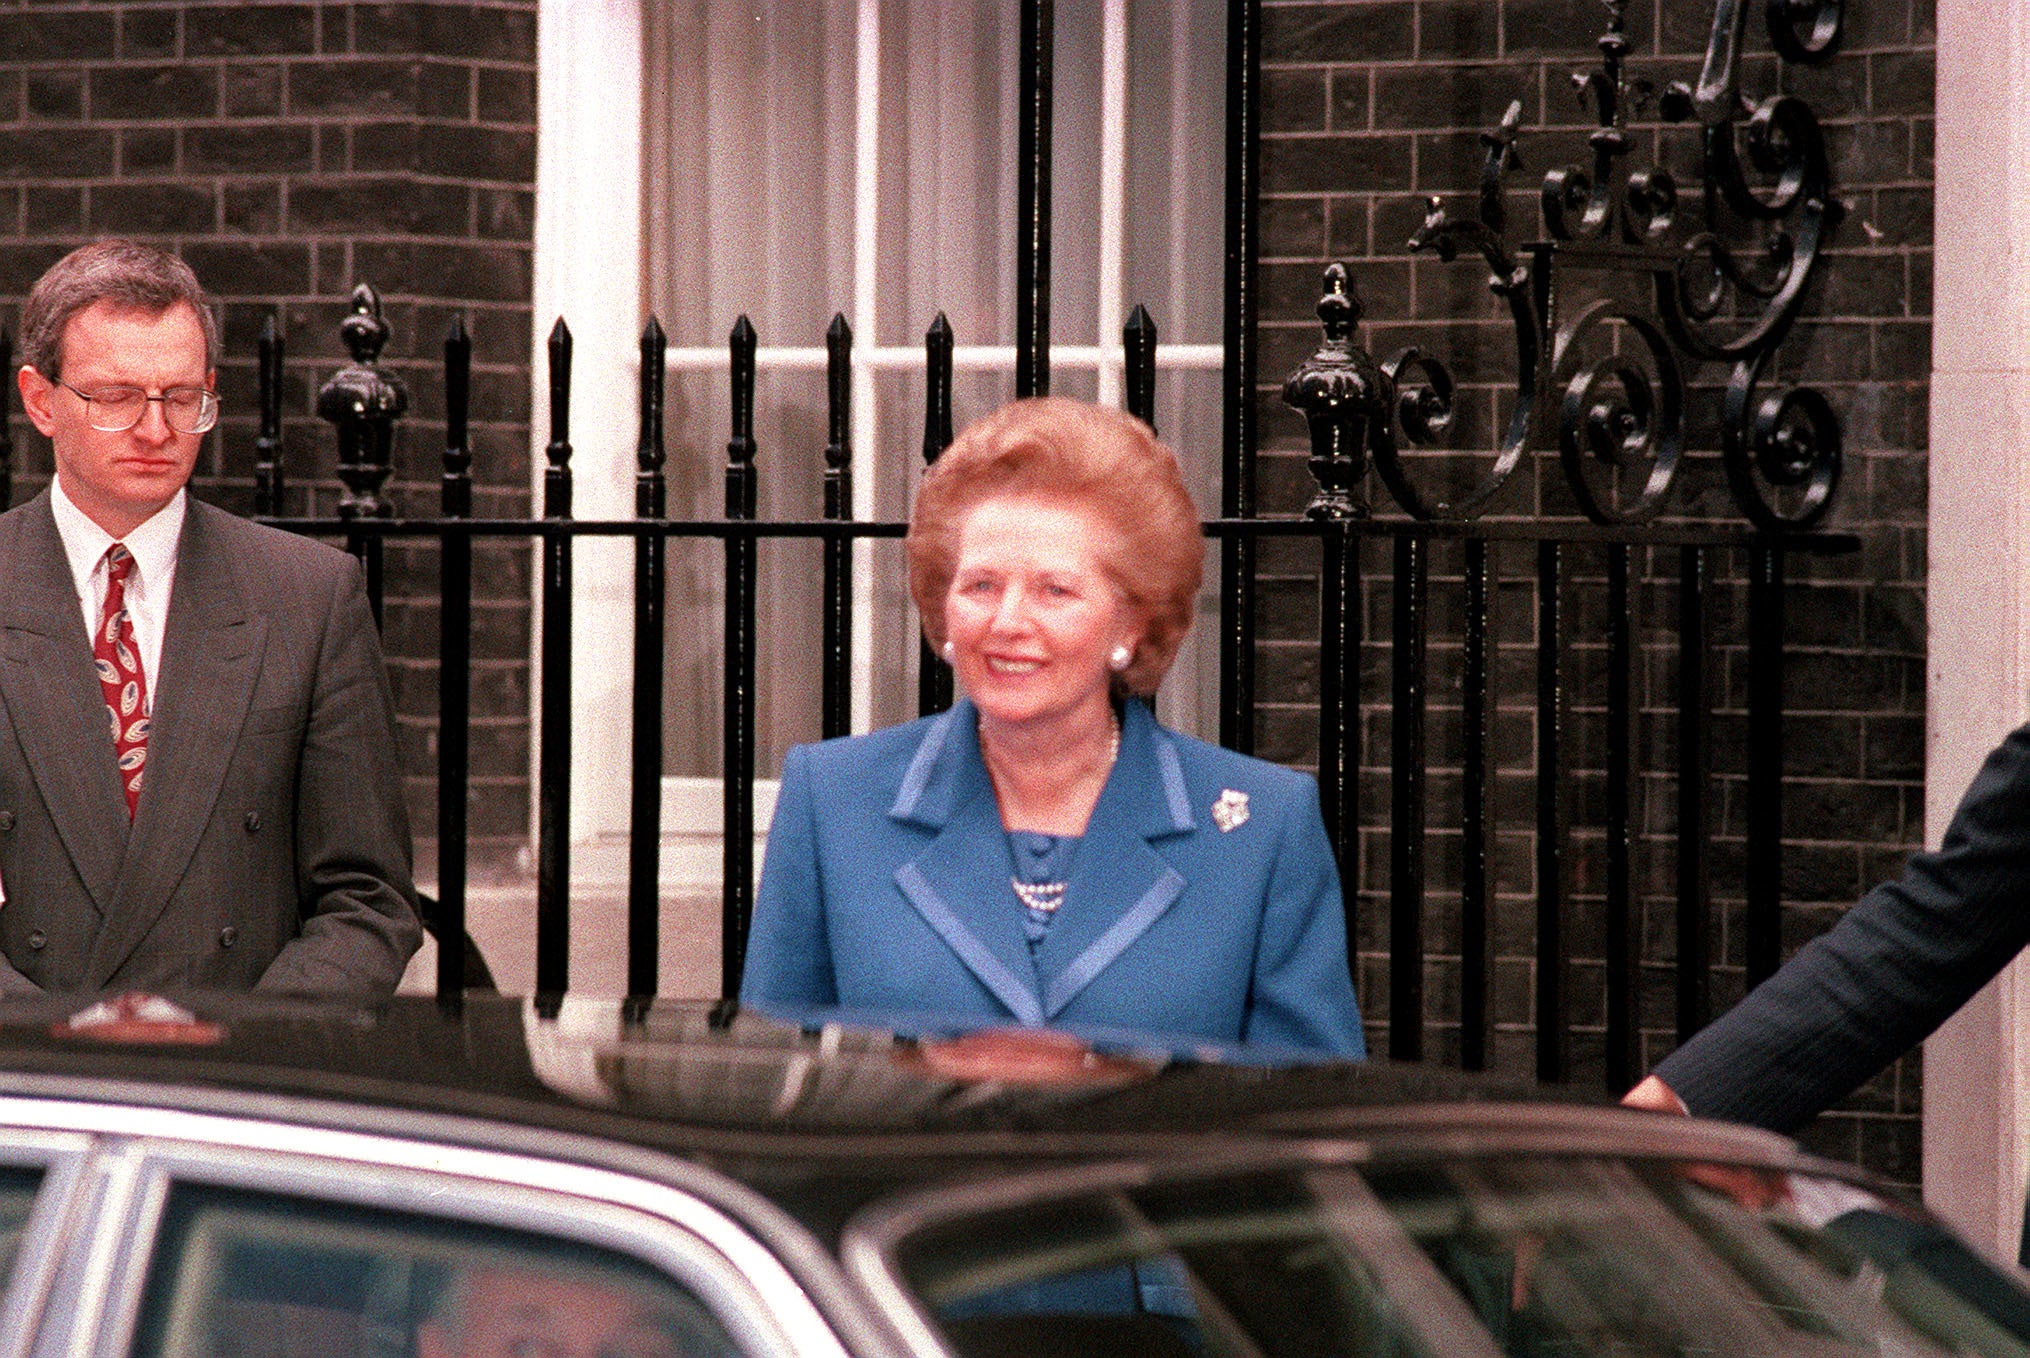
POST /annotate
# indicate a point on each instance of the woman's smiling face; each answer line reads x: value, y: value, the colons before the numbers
x: 1032, y: 612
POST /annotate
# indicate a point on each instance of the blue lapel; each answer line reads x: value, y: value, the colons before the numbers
x: 1120, y: 885
x: 959, y: 883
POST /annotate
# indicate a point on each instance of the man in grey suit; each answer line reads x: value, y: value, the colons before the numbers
x: 198, y: 778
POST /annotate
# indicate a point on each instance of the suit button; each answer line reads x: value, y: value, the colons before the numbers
x: 6, y: 820
x: 37, y: 939
x: 228, y: 936
x: 252, y: 822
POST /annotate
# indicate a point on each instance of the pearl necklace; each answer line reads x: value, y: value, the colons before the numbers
x: 1045, y: 897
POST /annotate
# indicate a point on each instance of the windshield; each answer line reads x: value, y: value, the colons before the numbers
x: 1524, y: 1255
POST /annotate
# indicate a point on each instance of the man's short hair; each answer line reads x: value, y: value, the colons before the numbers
x: 130, y: 275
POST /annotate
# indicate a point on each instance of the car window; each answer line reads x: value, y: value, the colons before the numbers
x: 1526, y: 1256
x: 240, y: 1274
x: 17, y: 1197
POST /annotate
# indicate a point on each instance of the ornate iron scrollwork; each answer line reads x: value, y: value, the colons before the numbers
x: 1726, y: 290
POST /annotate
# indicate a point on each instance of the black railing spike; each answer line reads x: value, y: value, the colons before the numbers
x: 6, y: 421
x: 553, y: 797
x: 933, y: 677
x: 838, y: 398
x: 645, y: 794
x: 1138, y: 348
x: 737, y: 711
x: 1034, y: 114
x: 268, y: 443
x: 457, y: 421
x: 937, y: 389
x: 454, y: 664
x: 837, y: 640
x: 557, y: 453
x: 650, y: 492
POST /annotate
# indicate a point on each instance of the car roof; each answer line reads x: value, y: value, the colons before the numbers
x: 821, y: 1117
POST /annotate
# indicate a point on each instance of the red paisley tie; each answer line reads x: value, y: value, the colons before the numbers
x: 118, y: 662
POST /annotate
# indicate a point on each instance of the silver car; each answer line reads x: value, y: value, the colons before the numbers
x: 238, y: 1178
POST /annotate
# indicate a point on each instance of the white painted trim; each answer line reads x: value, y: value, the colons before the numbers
x: 1113, y: 196
x: 965, y: 357
x: 588, y: 269
x: 1976, y: 1113
x: 866, y: 335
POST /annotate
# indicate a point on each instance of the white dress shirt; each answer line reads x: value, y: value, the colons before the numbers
x: 153, y: 545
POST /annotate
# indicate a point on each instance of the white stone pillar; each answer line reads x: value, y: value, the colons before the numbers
x: 1978, y: 671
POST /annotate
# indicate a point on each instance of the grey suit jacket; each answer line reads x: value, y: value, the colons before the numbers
x: 270, y: 846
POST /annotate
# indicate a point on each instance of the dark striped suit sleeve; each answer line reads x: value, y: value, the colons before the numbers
x: 1897, y: 965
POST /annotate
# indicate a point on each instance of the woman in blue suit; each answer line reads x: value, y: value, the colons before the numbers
x: 1045, y: 853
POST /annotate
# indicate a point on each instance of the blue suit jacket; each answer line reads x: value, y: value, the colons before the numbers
x: 885, y: 888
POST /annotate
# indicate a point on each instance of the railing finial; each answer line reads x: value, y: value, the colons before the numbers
x: 1341, y: 392
x: 363, y: 401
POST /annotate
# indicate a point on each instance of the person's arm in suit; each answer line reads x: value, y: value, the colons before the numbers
x: 789, y: 956
x: 1895, y: 967
x: 1301, y: 993
x: 359, y: 922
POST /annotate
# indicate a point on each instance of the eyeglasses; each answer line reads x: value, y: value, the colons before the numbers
x: 115, y: 410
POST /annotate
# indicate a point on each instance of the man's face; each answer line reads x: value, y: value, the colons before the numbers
x: 119, y: 480
x: 516, y: 1314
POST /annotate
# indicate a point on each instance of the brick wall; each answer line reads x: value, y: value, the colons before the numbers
x: 1372, y: 104
x: 288, y: 151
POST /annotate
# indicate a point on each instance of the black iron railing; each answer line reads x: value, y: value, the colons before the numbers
x: 1342, y: 392
x: 1617, y: 423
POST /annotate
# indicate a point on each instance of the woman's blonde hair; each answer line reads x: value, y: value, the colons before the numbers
x: 1098, y: 459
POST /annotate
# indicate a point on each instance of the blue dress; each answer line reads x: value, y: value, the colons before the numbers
x: 1202, y: 900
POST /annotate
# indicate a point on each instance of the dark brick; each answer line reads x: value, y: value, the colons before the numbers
x: 252, y: 91
x: 148, y: 34
x: 1461, y: 97
x: 467, y: 152
x: 508, y: 96
x: 1454, y: 30
x: 1378, y: 30
x: 250, y: 30
x: 162, y: 93
x: 481, y: 272
x: 251, y: 209
x: 259, y: 148
x: 444, y: 91
x: 1336, y: 164
x: 272, y: 269
x: 58, y: 96
x: 73, y: 153
x: 1859, y: 152
x: 147, y: 150
x: 57, y: 211
x: 475, y: 33
x: 1863, y: 285
x: 1902, y: 82
x: 1553, y: 28
x: 379, y: 206
x: 1294, y: 101
x: 73, y: 36
x: 152, y: 209
x: 1293, y: 227
x: 367, y: 88
x: 1837, y: 91
x: 505, y: 214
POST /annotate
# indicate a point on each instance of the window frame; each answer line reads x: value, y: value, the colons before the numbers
x: 129, y: 1178
x: 589, y: 177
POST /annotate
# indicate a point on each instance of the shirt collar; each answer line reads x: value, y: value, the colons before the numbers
x: 153, y: 541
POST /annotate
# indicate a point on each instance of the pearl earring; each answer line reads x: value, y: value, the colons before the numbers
x: 1118, y: 658
x: 948, y: 651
